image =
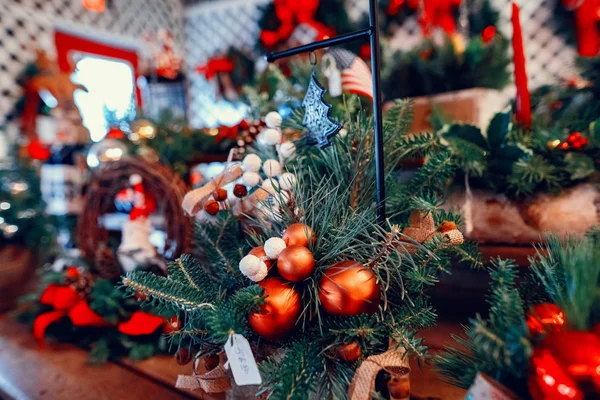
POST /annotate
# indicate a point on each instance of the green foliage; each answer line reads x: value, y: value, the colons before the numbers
x: 432, y: 69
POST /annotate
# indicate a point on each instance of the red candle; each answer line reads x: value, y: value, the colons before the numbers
x: 588, y: 33
x: 523, y: 103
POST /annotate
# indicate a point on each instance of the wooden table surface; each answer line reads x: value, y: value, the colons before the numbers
x: 61, y: 372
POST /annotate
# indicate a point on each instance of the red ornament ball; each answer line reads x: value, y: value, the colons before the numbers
x: 220, y: 194
x: 37, y: 151
x: 545, y: 317
x: 259, y: 252
x: 349, y: 352
x: 277, y: 317
x: 183, y: 356
x: 348, y: 288
x: 240, y: 190
x: 488, y: 34
x: 298, y: 235
x: 212, y: 207
x: 295, y: 263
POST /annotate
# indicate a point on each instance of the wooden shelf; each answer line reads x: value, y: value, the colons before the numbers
x: 62, y: 372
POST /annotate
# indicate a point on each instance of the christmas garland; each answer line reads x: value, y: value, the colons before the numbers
x: 291, y: 269
x: 540, y: 340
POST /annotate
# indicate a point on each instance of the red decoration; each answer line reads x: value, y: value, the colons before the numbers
x: 577, y: 141
x: 95, y: 5
x: 214, y: 66
x: 259, y: 251
x: 277, y: 317
x: 298, y: 235
x: 295, y: 263
x: 212, y: 207
x: 37, y: 151
x: 83, y: 315
x: 488, y: 34
x: 394, y: 7
x: 115, y: 133
x: 436, y: 13
x: 566, y: 365
x: 543, y: 317
x: 523, y: 102
x: 292, y: 13
x: 141, y: 323
x: 587, y: 15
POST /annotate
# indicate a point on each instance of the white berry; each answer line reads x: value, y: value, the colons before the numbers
x: 271, y: 136
x: 343, y: 132
x: 252, y: 163
x: 273, y: 120
x: 251, y: 265
x: 261, y: 274
x: 287, y: 181
x: 251, y: 179
x: 135, y: 179
x: 272, y: 168
x: 287, y: 149
x: 270, y: 186
x: 274, y: 246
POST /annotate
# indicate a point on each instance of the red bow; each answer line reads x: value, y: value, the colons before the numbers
x: 66, y: 302
x: 436, y: 13
x: 141, y: 323
x: 290, y: 14
x: 214, y: 66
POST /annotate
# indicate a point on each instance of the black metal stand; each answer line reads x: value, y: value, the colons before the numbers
x: 373, y: 33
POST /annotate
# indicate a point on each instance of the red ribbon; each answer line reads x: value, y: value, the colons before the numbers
x: 523, y: 102
x: 141, y: 323
x: 215, y: 66
x: 436, y: 13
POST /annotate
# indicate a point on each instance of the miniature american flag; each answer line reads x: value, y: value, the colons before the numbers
x: 356, y: 74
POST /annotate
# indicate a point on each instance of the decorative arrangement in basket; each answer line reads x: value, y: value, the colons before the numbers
x: 317, y: 292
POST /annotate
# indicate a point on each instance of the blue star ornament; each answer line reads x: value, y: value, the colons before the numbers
x: 321, y: 128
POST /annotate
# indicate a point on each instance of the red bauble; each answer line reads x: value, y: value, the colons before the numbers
x: 566, y: 365
x: 399, y: 387
x: 277, y: 317
x: 173, y: 324
x: 220, y: 194
x: 212, y: 207
x: 488, y: 34
x: 259, y: 252
x: 295, y: 263
x: 298, y: 235
x: 545, y: 317
x: 37, y: 151
x: 240, y: 190
x: 349, y: 352
x: 183, y: 356
x: 348, y: 288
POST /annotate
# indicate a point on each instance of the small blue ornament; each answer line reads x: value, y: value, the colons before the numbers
x: 321, y: 128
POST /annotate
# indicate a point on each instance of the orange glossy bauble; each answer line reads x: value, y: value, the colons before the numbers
x: 295, y: 263
x: 259, y: 252
x: 349, y: 352
x: 399, y: 387
x: 545, y: 317
x: 298, y: 235
x: 348, y: 288
x: 277, y: 317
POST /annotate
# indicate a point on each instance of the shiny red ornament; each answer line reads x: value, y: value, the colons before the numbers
x: 566, y: 365
x: 298, y: 235
x: 277, y: 317
x: 349, y: 352
x: 295, y: 263
x: 37, y: 151
x: 349, y: 288
x: 545, y: 317
x: 488, y: 34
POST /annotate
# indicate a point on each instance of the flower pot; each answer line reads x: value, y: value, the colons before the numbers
x: 493, y: 218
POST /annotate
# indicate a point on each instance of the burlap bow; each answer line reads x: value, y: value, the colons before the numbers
x: 422, y: 228
x: 215, y: 381
x: 363, y: 383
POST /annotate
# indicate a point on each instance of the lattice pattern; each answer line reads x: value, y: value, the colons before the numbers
x: 211, y: 29
x: 26, y: 24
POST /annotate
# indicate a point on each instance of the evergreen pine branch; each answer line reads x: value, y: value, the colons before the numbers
x: 435, y: 173
x: 186, y: 270
x: 248, y: 299
x: 165, y: 291
x: 223, y: 320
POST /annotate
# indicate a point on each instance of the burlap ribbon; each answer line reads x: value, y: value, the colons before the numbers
x: 485, y: 387
x: 363, y: 383
x: 215, y: 381
x: 422, y: 228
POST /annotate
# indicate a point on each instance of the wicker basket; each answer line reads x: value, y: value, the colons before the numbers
x: 16, y: 269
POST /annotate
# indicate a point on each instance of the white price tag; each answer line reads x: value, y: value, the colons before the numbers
x: 241, y: 361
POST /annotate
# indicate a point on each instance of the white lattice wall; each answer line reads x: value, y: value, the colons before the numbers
x: 26, y: 23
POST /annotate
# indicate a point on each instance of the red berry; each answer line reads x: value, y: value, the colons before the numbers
x: 212, y: 207
x: 584, y: 142
x: 573, y: 137
x: 220, y: 194
x: 564, y: 146
x: 240, y: 190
